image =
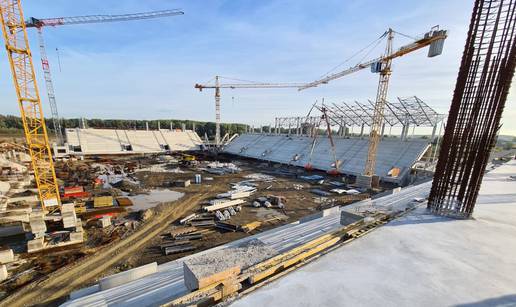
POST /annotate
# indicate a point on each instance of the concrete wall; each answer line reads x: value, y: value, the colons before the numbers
x: 127, y: 276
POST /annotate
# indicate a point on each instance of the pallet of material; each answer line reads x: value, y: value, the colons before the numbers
x: 193, y: 236
x: 103, y: 201
x: 178, y: 249
x: 124, y: 201
x: 188, y: 218
x: 181, y: 231
x: 251, y: 226
x: 203, y: 223
x: 223, y: 205
x: 173, y: 244
x: 227, y: 226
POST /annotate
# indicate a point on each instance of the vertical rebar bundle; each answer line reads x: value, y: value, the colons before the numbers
x: 483, y: 83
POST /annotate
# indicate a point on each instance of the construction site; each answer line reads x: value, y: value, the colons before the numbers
x: 320, y: 207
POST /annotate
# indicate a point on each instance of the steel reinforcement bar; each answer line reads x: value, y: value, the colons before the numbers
x: 481, y: 90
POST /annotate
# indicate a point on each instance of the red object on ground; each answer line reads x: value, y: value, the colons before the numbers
x: 333, y: 172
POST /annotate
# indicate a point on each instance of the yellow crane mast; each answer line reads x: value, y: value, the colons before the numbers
x: 22, y: 69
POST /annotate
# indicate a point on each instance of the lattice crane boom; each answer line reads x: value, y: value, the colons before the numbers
x: 62, y: 21
x: 252, y: 85
x: 75, y: 20
x: 428, y: 39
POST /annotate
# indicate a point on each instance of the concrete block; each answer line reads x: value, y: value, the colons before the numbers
x: 77, y: 236
x: 331, y: 211
x: 11, y: 230
x: 347, y: 218
x: 205, y: 269
x: 198, y: 279
x: 105, y: 221
x: 69, y: 219
x: 127, y: 276
x: 6, y: 256
x: 35, y: 245
x: 364, y: 181
x: 78, y: 225
x: 70, y: 207
x: 3, y: 273
x: 37, y: 223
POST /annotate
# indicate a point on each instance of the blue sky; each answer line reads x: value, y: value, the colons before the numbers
x: 147, y: 69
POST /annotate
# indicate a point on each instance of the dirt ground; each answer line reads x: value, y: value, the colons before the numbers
x: 152, y: 231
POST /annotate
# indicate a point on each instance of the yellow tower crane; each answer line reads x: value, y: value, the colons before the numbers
x: 22, y: 68
x: 434, y: 38
x: 14, y: 28
x: 40, y: 23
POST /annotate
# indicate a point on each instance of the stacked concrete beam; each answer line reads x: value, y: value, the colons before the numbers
x: 6, y: 256
x: 68, y: 215
x: 37, y: 224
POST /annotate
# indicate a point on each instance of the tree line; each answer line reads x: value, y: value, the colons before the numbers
x: 11, y: 122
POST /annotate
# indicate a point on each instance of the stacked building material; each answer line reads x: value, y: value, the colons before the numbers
x: 124, y: 201
x: 103, y: 201
x: 223, y: 204
x: 68, y: 215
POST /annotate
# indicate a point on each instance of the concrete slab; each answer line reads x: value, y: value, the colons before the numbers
x: 128, y: 276
x: 35, y: 245
x: 6, y: 256
x: 417, y: 260
x: 37, y: 223
x: 77, y: 237
x: 3, y: 272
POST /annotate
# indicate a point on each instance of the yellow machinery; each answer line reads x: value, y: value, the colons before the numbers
x: 22, y: 68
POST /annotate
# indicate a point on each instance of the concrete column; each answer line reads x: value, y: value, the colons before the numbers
x: 362, y: 130
x: 383, y: 131
x: 289, y: 128
x: 298, y: 122
x: 261, y: 129
x: 159, y: 125
x: 433, y: 133
x: 171, y: 126
x: 183, y: 127
x: 270, y: 129
x: 193, y: 126
x: 147, y: 126
x: 276, y: 125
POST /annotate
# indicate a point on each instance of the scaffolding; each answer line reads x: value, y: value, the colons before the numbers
x: 344, y: 116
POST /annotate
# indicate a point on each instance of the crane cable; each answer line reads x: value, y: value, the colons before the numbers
x: 376, y: 41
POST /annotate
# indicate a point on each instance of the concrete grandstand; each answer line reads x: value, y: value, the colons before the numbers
x: 295, y: 150
x: 115, y: 141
